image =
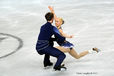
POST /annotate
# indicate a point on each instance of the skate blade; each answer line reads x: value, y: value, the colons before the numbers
x: 47, y: 67
x: 99, y: 50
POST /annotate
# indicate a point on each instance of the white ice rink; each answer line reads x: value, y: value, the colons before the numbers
x: 91, y: 21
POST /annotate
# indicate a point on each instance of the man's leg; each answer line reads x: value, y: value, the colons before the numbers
x: 56, y: 53
x: 47, y: 60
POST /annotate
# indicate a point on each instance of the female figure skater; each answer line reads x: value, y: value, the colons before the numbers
x: 67, y: 46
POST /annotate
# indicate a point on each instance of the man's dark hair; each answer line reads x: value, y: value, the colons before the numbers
x: 49, y: 16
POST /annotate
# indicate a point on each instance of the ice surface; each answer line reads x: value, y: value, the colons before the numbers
x: 91, y: 21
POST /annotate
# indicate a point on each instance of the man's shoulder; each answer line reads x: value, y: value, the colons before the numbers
x: 48, y: 26
x: 44, y: 25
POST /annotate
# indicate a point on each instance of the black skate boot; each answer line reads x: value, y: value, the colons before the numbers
x: 48, y: 64
x: 59, y: 68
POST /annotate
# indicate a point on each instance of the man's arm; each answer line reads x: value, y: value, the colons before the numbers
x: 57, y: 35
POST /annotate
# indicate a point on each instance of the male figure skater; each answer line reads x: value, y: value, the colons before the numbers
x: 45, y: 43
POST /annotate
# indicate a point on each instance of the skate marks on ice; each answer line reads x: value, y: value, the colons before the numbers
x: 8, y: 38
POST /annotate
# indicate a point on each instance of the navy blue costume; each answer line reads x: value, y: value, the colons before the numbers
x: 65, y: 44
x: 45, y: 44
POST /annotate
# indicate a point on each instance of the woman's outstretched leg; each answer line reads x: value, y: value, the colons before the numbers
x: 72, y: 52
x: 77, y: 56
x: 63, y: 49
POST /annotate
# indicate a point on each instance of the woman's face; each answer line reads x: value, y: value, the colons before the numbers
x: 58, y: 22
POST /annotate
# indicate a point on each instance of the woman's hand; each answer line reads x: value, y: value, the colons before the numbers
x: 71, y: 36
x: 51, y: 9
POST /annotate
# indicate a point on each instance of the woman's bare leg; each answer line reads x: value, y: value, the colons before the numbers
x: 76, y: 55
x: 72, y: 52
x: 63, y: 49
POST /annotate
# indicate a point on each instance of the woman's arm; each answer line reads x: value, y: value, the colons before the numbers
x: 60, y: 30
x: 52, y: 10
x: 65, y: 35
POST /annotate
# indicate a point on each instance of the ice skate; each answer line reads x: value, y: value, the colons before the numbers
x: 48, y: 64
x: 96, y: 49
x: 60, y: 68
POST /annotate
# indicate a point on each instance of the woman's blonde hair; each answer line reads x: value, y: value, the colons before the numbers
x: 61, y: 20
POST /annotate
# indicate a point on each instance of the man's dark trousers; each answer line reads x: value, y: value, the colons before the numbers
x: 51, y: 51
